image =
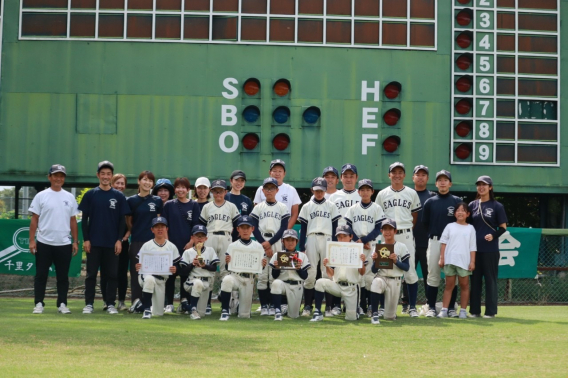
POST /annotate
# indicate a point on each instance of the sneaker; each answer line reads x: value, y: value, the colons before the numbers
x: 424, y: 310
x: 413, y: 313
x: 473, y: 316
x: 278, y: 316
x: 259, y: 309
x: 169, y: 309
x: 336, y: 311
x: 318, y: 317
x: 112, y: 310
x: 122, y: 306
x: 328, y: 314
x: 488, y: 316
x: 135, y: 304
x: 271, y: 311
x: 431, y: 313
x: 147, y: 314
x: 443, y: 314
x: 63, y: 309
x: 375, y: 318
x: 88, y: 309
x: 360, y: 311
x: 284, y: 309
x: 369, y: 312
x: 224, y: 316
x: 264, y: 311
x: 452, y: 314
x: 405, y: 309
x: 307, y: 311
x: 208, y: 310
x: 194, y: 314
x: 38, y: 309
x: 381, y: 313
x: 463, y: 314
x: 105, y: 307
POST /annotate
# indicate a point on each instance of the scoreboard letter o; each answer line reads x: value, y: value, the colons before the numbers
x: 222, y: 144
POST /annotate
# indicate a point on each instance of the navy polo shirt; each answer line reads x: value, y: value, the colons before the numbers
x: 243, y: 203
x: 438, y: 213
x: 143, y: 210
x: 494, y: 214
x: 181, y: 218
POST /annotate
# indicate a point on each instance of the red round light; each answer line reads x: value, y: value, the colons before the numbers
x: 251, y: 87
x: 464, y: 17
x: 464, y: 2
x: 464, y: 40
x: 463, y: 84
x: 281, y: 142
x: 463, y: 151
x: 391, y: 144
x: 463, y: 129
x: 250, y: 141
x: 463, y: 106
x: 464, y: 61
x: 392, y: 90
x: 391, y: 117
x: 282, y: 87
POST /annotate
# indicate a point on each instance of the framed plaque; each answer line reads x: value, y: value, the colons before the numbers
x: 344, y: 254
x: 245, y: 260
x: 157, y: 263
x: 287, y: 260
x: 383, y: 252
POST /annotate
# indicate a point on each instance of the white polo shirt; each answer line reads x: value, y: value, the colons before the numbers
x: 287, y: 194
x: 55, y: 210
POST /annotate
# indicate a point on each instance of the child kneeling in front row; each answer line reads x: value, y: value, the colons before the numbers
x: 457, y: 257
x: 154, y: 286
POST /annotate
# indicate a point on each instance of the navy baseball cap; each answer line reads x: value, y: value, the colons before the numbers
x: 348, y: 167
x: 219, y: 184
x: 105, y: 164
x: 268, y: 181
x: 485, y: 179
x: 277, y: 162
x: 421, y: 168
x: 319, y: 183
x: 365, y: 182
x: 290, y: 234
x: 57, y: 168
x: 388, y: 222
x: 199, y: 229
x: 395, y: 165
x: 163, y: 183
x: 245, y: 219
x: 343, y: 229
x: 330, y: 169
x: 159, y: 220
x: 443, y: 172
x: 238, y: 174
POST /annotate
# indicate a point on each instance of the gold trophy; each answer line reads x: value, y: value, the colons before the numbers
x: 198, y: 248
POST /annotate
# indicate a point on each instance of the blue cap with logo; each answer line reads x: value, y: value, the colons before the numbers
x: 443, y: 172
x: 421, y: 168
x: 330, y: 169
x: 199, y: 229
x: 57, y: 168
x: 396, y: 164
x: 348, y: 167
x: 290, y: 234
x: 159, y: 220
x: 365, y: 182
x: 269, y: 181
x: 319, y: 183
x: 105, y: 164
x: 485, y: 179
x: 343, y: 229
x: 219, y: 184
x: 277, y: 162
x: 245, y: 219
x: 388, y: 222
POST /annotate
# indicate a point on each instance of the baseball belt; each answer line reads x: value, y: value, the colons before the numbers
x: 245, y: 275
x: 293, y: 282
x: 390, y: 278
x: 345, y: 283
x: 404, y: 231
x: 204, y: 279
x: 220, y: 232
x: 434, y: 238
x: 268, y: 234
x: 158, y: 277
x: 318, y: 233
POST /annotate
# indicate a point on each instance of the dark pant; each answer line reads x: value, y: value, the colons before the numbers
x: 419, y: 257
x: 135, y: 289
x: 486, y: 266
x: 171, y: 288
x: 122, y: 274
x: 108, y: 262
x: 60, y: 256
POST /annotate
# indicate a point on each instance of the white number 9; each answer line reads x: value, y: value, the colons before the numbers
x: 483, y: 152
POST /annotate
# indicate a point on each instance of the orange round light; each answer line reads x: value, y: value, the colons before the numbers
x: 251, y: 87
x: 282, y: 87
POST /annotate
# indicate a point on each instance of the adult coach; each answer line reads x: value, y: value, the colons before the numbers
x: 490, y: 222
x: 348, y: 196
x: 103, y: 210
x: 53, y: 219
x: 402, y: 204
x: 287, y: 194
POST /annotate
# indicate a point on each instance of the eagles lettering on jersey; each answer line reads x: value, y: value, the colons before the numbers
x: 363, y: 218
x: 269, y: 214
x: 218, y: 217
x: 399, y: 205
x: 344, y: 199
x: 396, y: 203
x: 319, y: 214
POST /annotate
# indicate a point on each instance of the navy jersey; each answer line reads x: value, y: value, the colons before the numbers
x: 492, y: 213
x: 243, y: 203
x: 104, y: 210
x: 420, y: 232
x: 181, y: 218
x: 143, y: 210
x: 438, y: 213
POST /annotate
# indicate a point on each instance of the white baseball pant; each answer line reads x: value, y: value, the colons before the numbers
x: 157, y: 287
x: 433, y: 258
x: 245, y: 286
x: 390, y: 287
x: 407, y: 239
x: 294, y: 293
x: 199, y: 288
x: 220, y: 243
x: 266, y: 276
x: 367, y: 278
x: 316, y: 251
x: 349, y: 294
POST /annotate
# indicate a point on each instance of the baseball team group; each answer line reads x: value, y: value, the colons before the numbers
x: 435, y: 230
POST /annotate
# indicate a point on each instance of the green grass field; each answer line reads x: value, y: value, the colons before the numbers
x: 527, y: 341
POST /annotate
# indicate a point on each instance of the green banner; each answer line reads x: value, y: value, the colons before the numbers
x: 15, y: 256
x: 519, y: 252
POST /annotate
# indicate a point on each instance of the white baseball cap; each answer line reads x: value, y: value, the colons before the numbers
x: 202, y: 181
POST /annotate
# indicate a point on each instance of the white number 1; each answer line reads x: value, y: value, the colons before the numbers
x: 484, y: 3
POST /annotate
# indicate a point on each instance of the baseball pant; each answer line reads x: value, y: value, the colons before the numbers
x: 135, y: 289
x: 316, y: 252
x: 199, y: 288
x: 122, y: 274
x: 486, y: 267
x: 265, y: 277
x: 108, y: 262
x: 60, y: 256
x: 433, y: 257
x: 390, y: 287
x: 367, y: 278
x: 245, y: 286
x: 349, y: 294
x: 171, y: 288
x: 157, y: 287
x: 420, y: 256
x: 220, y: 243
x: 408, y: 240
x: 293, y: 293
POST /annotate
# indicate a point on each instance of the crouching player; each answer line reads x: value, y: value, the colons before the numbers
x: 154, y: 286
x: 241, y: 282
x: 387, y: 282
x: 289, y: 282
x: 345, y: 282
x: 199, y: 263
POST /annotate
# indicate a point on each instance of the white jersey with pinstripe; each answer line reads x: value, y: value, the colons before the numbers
x: 208, y: 254
x: 291, y: 274
x: 219, y: 218
x: 344, y: 199
x: 319, y: 216
x: 364, y: 219
x: 344, y: 274
x: 269, y: 216
x: 402, y: 252
x: 399, y: 205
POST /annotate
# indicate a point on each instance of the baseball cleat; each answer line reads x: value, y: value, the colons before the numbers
x: 135, y: 304
x: 488, y: 316
x: 443, y: 314
x: 375, y: 318
x: 259, y: 309
x: 169, y: 309
x: 431, y: 313
x: 336, y: 311
x: 271, y: 311
x: 194, y: 314
x: 360, y: 311
x: 452, y: 314
x: 224, y: 316
x: 147, y: 314
x: 88, y: 309
x: 112, y: 310
x: 413, y: 313
x: 473, y: 316
x: 404, y: 309
x: 463, y: 314
x: 208, y: 310
x: 318, y: 317
x: 278, y: 316
x: 307, y: 311
x: 63, y: 309
x: 264, y: 311
x: 284, y: 308
x: 38, y: 309
x: 381, y: 312
x: 122, y: 306
x: 328, y: 314
x: 423, y: 310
